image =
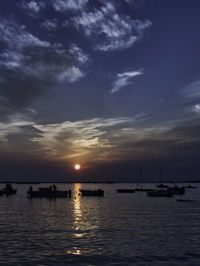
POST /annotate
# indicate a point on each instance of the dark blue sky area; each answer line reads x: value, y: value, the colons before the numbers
x: 108, y: 84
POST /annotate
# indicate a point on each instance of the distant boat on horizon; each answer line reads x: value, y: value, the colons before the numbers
x: 88, y: 192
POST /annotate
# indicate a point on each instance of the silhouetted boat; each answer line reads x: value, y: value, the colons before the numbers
x: 8, y: 190
x: 143, y: 189
x: 176, y: 190
x: 159, y: 193
x: 47, y: 194
x: 185, y: 200
x: 126, y: 190
x: 162, y: 186
x: 86, y: 192
x: 140, y: 181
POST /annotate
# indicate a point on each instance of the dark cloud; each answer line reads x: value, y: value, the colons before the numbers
x: 30, y: 66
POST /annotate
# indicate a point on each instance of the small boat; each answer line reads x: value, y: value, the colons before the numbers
x: 8, y: 190
x: 159, y: 193
x: 176, y: 190
x: 98, y: 192
x: 48, y: 194
x: 162, y: 186
x: 126, y: 190
x: 185, y: 200
x: 143, y: 189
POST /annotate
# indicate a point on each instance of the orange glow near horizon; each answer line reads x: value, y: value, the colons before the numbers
x: 77, y: 166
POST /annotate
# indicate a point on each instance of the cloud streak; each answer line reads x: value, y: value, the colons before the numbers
x: 124, y: 79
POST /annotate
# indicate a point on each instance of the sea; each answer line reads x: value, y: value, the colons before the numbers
x: 117, y: 229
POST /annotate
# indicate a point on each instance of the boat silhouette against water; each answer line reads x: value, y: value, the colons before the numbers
x: 9, y: 190
x: 127, y: 190
x: 88, y: 192
x: 160, y: 193
x: 48, y: 192
x: 176, y: 190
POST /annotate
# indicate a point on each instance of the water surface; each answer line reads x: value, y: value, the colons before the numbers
x: 118, y: 229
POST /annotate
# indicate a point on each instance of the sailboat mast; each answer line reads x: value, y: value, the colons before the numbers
x: 141, y: 175
x: 160, y: 174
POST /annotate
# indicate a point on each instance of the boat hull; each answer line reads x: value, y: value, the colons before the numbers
x: 126, y: 190
x: 159, y: 193
x: 47, y: 194
x: 98, y: 193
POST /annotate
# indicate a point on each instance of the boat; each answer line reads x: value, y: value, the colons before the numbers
x: 127, y: 190
x: 185, y: 200
x: 87, y: 192
x: 161, y: 185
x: 159, y: 193
x: 143, y: 189
x: 48, y: 193
x: 9, y: 190
x: 140, y: 182
x: 176, y: 190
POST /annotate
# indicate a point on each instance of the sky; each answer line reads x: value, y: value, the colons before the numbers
x: 111, y: 85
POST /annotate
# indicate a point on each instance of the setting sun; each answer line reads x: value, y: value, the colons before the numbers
x: 77, y: 166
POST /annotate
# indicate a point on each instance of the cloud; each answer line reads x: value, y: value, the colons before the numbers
x: 32, y: 6
x: 78, y: 53
x: 63, y: 5
x: 192, y: 91
x: 72, y: 140
x: 101, y: 140
x: 16, y: 37
x: 196, y: 108
x: 111, y: 30
x: 72, y: 74
x: 29, y: 66
x: 50, y: 25
x: 124, y: 79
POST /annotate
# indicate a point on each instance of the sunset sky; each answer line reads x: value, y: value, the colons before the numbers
x: 107, y: 84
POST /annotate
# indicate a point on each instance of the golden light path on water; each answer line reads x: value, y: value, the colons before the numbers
x: 77, y: 218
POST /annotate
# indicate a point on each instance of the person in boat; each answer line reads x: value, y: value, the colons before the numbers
x: 30, y: 189
x: 54, y: 187
x: 50, y: 188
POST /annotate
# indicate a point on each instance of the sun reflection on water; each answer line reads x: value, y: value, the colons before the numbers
x: 77, y: 214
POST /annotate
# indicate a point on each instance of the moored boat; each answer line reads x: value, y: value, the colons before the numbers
x: 87, y: 192
x: 176, y: 190
x: 162, y: 186
x: 9, y: 190
x: 126, y: 190
x: 48, y: 194
x: 185, y: 200
x: 159, y: 193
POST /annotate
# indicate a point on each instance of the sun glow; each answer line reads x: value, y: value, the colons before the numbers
x: 77, y: 166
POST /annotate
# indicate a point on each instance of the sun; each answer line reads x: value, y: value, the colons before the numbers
x: 77, y: 166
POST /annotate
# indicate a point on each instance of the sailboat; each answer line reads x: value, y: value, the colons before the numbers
x: 141, y: 189
x: 161, y: 185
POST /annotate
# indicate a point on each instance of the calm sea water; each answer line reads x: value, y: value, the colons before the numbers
x: 118, y: 229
